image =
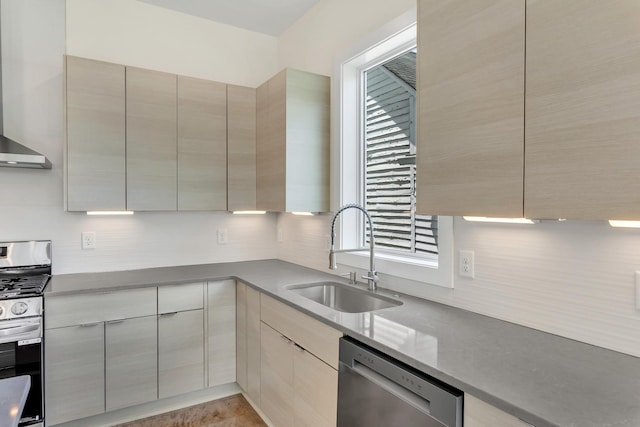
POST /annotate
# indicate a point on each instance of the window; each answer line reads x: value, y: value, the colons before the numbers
x: 374, y: 148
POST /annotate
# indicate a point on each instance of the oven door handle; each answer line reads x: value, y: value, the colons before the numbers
x: 17, y: 330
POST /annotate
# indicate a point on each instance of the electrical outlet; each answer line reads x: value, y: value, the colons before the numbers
x: 223, y: 236
x: 280, y: 234
x: 466, y: 266
x: 88, y: 240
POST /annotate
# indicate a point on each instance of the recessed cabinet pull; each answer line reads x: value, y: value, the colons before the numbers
x: 285, y: 339
x: 297, y: 347
x: 88, y: 325
x: 113, y: 322
x: 172, y: 313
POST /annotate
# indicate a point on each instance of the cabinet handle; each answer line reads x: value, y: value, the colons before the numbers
x: 113, y: 322
x: 172, y: 313
x: 297, y: 347
x: 88, y: 325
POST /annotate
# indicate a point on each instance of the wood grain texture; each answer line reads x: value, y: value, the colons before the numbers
x: 95, y: 129
x: 253, y: 345
x: 70, y: 310
x: 470, y: 107
x: 313, y: 335
x: 180, y: 353
x: 480, y: 414
x: 293, y: 143
x: 202, y: 145
x: 270, y: 144
x: 131, y: 362
x: 74, y: 377
x: 183, y: 297
x: 151, y: 140
x: 241, y: 336
x: 241, y: 146
x: 583, y: 110
x: 277, y: 393
x: 307, y: 139
x: 221, y: 332
x: 316, y: 391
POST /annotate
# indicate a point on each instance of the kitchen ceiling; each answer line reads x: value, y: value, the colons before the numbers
x: 270, y: 17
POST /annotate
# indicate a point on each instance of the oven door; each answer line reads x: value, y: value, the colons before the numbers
x: 21, y: 354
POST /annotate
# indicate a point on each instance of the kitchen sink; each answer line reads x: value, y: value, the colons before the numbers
x: 345, y: 298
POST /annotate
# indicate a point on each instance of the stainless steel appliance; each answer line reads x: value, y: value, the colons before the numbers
x: 25, y: 269
x: 375, y: 390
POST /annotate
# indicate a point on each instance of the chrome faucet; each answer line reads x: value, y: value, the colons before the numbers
x: 372, y: 275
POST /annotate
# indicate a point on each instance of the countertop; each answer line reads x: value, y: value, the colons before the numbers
x: 13, y: 395
x: 543, y: 379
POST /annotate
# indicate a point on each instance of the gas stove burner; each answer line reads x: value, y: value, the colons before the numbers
x: 14, y: 286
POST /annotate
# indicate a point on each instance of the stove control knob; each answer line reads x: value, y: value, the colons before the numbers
x: 19, y: 308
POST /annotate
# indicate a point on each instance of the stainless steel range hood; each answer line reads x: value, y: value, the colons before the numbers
x: 12, y: 153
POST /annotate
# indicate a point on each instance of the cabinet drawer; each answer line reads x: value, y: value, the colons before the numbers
x: 80, y: 309
x: 311, y: 334
x: 180, y: 297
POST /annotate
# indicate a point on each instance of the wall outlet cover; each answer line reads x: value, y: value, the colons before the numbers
x: 88, y: 240
x: 466, y: 264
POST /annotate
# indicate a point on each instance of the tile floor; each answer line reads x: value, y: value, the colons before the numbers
x: 232, y: 411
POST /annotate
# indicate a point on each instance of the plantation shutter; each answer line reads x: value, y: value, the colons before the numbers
x: 390, y: 178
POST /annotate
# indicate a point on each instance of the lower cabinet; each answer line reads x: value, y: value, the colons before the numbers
x: 298, y: 388
x: 480, y: 414
x: 180, y: 339
x: 74, y: 371
x: 221, y: 332
x: 131, y: 362
x: 248, y: 341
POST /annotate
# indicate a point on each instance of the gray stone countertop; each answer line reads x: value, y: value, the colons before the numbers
x: 543, y: 379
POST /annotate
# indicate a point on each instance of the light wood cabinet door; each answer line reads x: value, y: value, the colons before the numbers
x: 180, y: 352
x: 292, y: 167
x: 480, y: 414
x: 221, y: 332
x: 74, y: 372
x: 241, y: 146
x: 470, y: 148
x: 277, y: 387
x: 95, y: 166
x: 253, y: 345
x: 183, y: 297
x: 241, y: 336
x: 131, y: 362
x: 583, y: 120
x: 202, y: 145
x: 316, y: 391
x: 151, y: 140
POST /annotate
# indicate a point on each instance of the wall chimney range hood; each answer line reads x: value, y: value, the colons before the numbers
x: 13, y: 154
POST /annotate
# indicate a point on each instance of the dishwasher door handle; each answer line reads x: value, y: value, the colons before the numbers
x: 392, y: 387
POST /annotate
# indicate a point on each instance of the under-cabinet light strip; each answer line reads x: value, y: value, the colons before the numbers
x: 624, y: 224
x: 500, y: 220
x: 109, y: 212
x: 249, y: 212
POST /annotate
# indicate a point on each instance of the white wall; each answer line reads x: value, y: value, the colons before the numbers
x: 31, y: 201
x: 135, y: 33
x: 573, y: 278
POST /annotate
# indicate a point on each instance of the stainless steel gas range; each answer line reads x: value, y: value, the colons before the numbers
x: 25, y: 269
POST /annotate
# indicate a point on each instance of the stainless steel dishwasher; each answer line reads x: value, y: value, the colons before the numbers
x: 375, y: 390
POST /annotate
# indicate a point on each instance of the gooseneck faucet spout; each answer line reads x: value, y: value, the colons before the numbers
x: 372, y: 276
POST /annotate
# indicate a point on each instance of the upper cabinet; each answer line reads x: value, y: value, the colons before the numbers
x: 293, y: 143
x: 143, y: 140
x: 202, y: 145
x: 151, y: 140
x: 470, y: 107
x: 582, y: 109
x: 241, y: 146
x: 579, y: 155
x: 95, y: 123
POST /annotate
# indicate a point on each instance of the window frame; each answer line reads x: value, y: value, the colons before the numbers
x: 378, y: 47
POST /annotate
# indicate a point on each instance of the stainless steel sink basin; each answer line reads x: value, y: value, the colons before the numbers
x: 343, y: 297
